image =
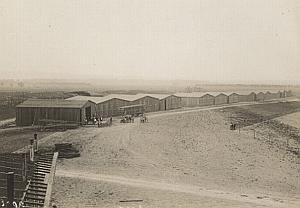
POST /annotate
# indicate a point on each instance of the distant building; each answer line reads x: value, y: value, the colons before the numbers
x: 233, y: 98
x: 196, y: 99
x: 32, y: 111
x: 167, y: 101
x: 189, y: 99
x: 105, y: 106
x: 220, y: 98
x: 117, y: 104
x: 246, y: 96
x: 260, y: 96
x: 289, y: 93
x: 151, y: 104
x: 207, y: 100
x: 271, y: 95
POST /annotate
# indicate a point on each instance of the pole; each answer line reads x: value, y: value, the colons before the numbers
x: 31, y: 150
x: 254, y: 133
x: 24, y: 168
x: 35, y: 142
x: 10, y: 188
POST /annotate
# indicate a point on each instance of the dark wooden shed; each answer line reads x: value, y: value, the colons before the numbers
x: 31, y: 111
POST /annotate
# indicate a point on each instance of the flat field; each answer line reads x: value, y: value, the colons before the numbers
x: 13, y: 139
x: 184, y: 159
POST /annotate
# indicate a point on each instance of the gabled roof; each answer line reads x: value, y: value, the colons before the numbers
x: 273, y: 91
x: 98, y: 100
x: 215, y: 94
x: 52, y: 103
x: 190, y: 94
x: 128, y: 97
x: 159, y: 96
x: 93, y: 99
x: 244, y: 92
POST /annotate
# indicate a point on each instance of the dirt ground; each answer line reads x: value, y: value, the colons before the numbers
x: 292, y: 119
x: 13, y: 139
x: 187, y: 159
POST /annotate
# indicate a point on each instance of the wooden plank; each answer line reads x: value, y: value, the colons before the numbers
x: 37, y: 190
x: 35, y: 198
x: 35, y: 194
x: 34, y: 203
x: 50, y: 181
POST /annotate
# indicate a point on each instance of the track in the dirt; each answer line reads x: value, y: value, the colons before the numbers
x: 179, y: 188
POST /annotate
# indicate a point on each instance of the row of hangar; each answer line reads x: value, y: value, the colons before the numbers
x: 79, y: 108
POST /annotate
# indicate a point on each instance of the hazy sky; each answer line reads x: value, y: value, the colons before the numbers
x: 151, y: 39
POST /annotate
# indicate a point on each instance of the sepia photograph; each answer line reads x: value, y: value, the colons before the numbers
x: 150, y: 104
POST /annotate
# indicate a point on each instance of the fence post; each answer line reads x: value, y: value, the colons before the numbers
x: 10, y: 188
x: 35, y: 142
x: 24, y: 168
x: 31, y: 150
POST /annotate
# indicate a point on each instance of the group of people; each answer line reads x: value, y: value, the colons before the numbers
x: 98, y: 120
x: 233, y: 126
x: 143, y: 118
x: 127, y: 119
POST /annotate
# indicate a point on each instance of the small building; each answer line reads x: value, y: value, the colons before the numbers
x: 192, y: 99
x: 111, y: 107
x: 166, y: 101
x: 32, y: 111
x: 151, y: 104
x: 289, y: 93
x: 220, y: 98
x: 105, y: 106
x: 246, y: 96
x: 233, y: 98
x: 282, y: 94
x: 206, y: 100
x: 260, y: 96
x: 170, y: 102
x: 271, y: 95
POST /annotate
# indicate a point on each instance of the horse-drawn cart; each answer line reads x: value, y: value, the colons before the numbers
x: 127, y: 119
x: 105, y: 123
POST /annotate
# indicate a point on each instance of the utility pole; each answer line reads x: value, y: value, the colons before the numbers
x: 10, y: 188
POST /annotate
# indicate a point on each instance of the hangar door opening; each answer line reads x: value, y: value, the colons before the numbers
x: 88, y: 113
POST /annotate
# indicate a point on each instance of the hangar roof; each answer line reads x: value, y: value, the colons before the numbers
x: 52, y: 103
x: 111, y: 96
x: 190, y: 94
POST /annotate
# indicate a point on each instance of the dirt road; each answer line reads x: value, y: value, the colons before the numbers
x: 180, y: 188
